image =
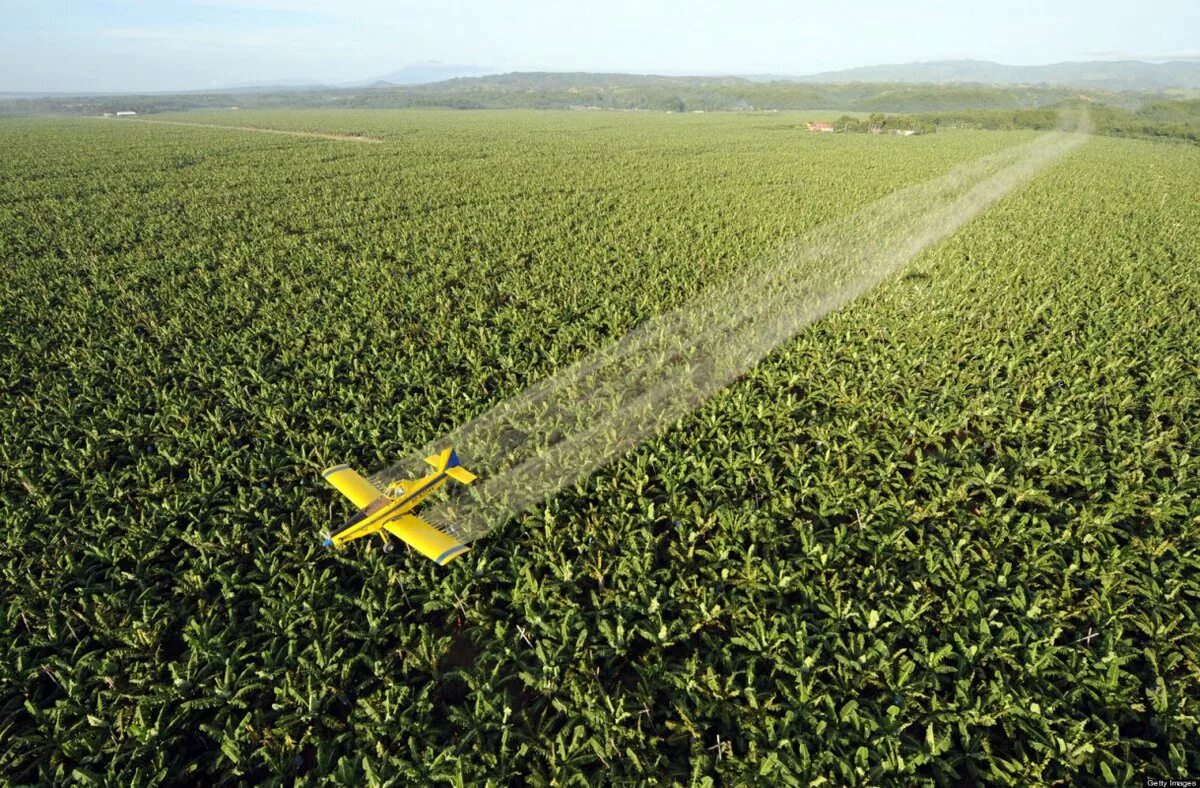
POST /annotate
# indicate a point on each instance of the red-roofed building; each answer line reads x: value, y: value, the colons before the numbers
x: 820, y: 126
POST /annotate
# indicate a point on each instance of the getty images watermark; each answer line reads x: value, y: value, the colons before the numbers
x: 1172, y: 782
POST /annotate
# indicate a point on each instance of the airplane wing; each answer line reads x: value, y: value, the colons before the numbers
x: 427, y: 540
x: 360, y: 491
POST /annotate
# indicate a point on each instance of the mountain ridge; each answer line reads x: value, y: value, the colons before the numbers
x: 1109, y: 74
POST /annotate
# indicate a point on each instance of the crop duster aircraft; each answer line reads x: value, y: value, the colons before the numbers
x: 390, y: 511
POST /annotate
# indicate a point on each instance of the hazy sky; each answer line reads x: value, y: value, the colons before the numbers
x: 128, y: 45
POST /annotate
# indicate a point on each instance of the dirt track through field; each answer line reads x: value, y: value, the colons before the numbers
x: 313, y: 134
x: 563, y: 428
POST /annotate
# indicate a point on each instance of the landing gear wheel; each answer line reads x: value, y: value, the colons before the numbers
x: 388, y: 547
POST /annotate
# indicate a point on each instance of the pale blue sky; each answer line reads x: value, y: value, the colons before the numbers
x: 131, y: 45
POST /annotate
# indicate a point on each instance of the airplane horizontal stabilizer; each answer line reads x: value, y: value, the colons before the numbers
x: 461, y: 474
x: 447, y: 461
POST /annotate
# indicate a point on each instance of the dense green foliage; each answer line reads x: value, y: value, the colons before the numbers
x: 950, y: 532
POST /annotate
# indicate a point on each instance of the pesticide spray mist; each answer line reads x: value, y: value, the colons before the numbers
x: 565, y: 427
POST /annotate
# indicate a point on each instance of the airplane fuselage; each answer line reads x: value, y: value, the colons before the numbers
x: 386, y: 509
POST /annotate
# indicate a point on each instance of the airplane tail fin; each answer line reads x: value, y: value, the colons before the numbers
x: 447, y: 461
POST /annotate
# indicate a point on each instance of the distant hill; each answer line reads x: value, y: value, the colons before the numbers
x: 265, y: 87
x: 580, y: 90
x: 1106, y: 74
x: 413, y: 74
x: 548, y: 90
x: 423, y: 73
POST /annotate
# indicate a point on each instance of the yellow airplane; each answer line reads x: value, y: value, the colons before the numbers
x: 391, y: 510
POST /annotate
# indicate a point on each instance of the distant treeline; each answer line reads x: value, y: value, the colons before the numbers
x: 1174, y: 119
x: 1160, y: 119
x: 603, y: 91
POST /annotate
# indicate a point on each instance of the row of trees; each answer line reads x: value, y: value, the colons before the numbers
x: 879, y: 123
x: 1173, y: 119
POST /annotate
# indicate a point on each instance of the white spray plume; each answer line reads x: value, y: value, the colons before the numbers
x: 565, y: 427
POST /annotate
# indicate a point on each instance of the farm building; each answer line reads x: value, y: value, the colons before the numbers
x: 123, y: 113
x: 820, y: 125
